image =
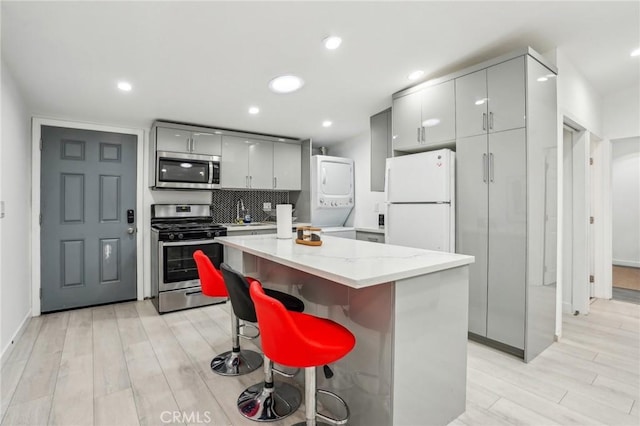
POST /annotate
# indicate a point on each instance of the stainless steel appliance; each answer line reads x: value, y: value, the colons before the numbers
x: 178, y: 170
x: 177, y: 231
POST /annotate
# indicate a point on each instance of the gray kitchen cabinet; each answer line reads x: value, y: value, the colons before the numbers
x: 381, y: 147
x: 425, y: 119
x: 189, y: 141
x: 491, y: 225
x: 369, y: 236
x: 287, y: 166
x: 500, y: 207
x: 491, y: 100
x: 246, y: 163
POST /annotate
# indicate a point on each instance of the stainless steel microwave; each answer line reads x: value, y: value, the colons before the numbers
x: 177, y: 170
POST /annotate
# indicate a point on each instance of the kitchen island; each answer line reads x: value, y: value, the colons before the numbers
x: 407, y: 308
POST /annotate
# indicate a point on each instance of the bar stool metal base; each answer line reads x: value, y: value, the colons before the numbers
x: 268, y: 404
x: 232, y: 363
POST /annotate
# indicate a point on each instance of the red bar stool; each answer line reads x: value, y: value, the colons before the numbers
x: 300, y: 340
x: 268, y: 400
x: 237, y: 361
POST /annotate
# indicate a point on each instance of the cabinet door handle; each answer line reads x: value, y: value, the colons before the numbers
x: 484, y: 121
x: 491, y: 166
x: 193, y: 144
x: 372, y: 239
x: 418, y: 134
x: 485, y: 165
x: 275, y: 182
x: 250, y: 181
x: 188, y: 144
x: 246, y: 181
x: 423, y: 134
x: 490, y: 121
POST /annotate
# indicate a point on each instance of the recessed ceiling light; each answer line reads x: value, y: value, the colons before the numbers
x: 124, y: 86
x: 280, y: 140
x: 332, y: 42
x: 416, y: 75
x: 286, y: 84
x: 326, y: 123
x: 218, y: 132
x: 635, y: 52
x: 254, y: 110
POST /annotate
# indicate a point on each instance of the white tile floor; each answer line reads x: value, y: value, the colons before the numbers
x: 124, y: 364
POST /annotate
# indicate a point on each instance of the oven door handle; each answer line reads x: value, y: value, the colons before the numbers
x: 192, y: 293
x: 186, y: 243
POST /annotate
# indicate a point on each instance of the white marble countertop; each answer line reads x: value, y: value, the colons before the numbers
x: 255, y: 226
x: 350, y: 262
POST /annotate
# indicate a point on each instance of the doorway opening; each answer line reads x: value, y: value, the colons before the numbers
x: 625, y: 184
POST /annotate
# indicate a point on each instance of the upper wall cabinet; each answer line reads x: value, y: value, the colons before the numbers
x: 193, y: 142
x: 425, y: 119
x: 491, y: 100
x: 246, y: 163
x: 381, y: 148
x: 287, y: 163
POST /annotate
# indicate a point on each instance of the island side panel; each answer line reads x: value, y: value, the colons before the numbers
x: 430, y: 348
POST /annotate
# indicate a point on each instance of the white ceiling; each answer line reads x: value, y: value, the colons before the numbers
x: 207, y: 62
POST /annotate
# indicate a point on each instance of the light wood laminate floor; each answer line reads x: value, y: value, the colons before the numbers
x: 126, y: 365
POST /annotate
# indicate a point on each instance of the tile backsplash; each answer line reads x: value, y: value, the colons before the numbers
x: 224, y: 204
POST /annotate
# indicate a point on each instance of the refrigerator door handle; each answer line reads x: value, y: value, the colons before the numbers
x: 485, y: 166
x: 386, y: 181
x: 491, y: 166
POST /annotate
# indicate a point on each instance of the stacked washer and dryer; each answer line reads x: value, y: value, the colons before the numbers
x: 332, y: 194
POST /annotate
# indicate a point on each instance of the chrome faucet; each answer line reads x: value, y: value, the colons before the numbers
x: 239, y: 208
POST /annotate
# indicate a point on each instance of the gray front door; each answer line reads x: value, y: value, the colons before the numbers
x: 88, y: 250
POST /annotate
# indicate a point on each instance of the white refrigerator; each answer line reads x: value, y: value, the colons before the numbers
x: 420, y: 193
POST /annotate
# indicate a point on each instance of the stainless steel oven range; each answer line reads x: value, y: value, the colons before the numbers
x: 177, y: 231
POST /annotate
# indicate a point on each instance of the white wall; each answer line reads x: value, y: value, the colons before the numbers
x: 368, y: 203
x: 15, y: 231
x: 621, y: 112
x: 625, y: 178
x: 577, y: 99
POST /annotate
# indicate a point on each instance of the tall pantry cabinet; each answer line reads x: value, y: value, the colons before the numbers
x: 506, y: 124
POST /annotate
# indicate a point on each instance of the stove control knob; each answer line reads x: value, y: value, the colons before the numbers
x: 180, y: 236
x: 218, y: 233
x: 171, y: 236
x: 208, y: 234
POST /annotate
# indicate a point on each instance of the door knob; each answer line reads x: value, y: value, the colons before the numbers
x: 131, y: 230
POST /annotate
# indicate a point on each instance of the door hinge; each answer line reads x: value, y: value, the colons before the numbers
x: 591, y: 161
x: 592, y: 279
x: 591, y: 219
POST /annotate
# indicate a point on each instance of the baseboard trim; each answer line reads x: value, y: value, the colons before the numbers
x: 496, y: 345
x: 629, y: 263
x: 6, y: 351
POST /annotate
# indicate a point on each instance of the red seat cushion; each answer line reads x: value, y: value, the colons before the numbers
x: 297, y: 339
x: 211, y: 280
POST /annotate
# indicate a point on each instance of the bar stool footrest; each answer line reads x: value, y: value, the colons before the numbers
x: 340, y: 400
